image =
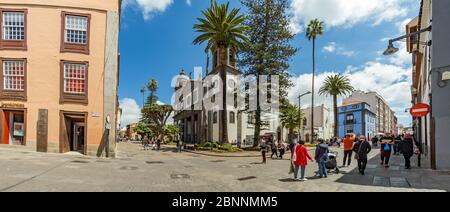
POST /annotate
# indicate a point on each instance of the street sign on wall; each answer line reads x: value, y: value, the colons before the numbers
x: 420, y: 110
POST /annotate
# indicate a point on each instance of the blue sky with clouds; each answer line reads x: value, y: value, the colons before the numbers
x: 156, y: 42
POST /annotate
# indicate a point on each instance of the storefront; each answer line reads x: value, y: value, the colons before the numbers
x: 13, y: 124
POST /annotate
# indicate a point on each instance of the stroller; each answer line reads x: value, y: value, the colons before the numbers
x: 332, y: 162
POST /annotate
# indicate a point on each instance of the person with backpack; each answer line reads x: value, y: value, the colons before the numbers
x: 386, y: 150
x: 397, y: 141
x: 348, y: 149
x: 299, y: 158
x: 362, y: 149
x: 406, y: 147
x: 321, y: 158
x: 146, y: 143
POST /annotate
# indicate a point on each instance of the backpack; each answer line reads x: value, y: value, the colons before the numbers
x: 387, y: 147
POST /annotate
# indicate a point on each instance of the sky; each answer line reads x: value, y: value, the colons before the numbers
x: 156, y: 43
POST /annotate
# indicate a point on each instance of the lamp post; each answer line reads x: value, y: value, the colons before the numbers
x: 300, y: 113
x: 392, y: 49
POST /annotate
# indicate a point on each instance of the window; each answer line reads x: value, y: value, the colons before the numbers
x: 74, y: 80
x: 215, y: 118
x: 232, y: 118
x: 13, y: 29
x: 13, y: 82
x: 14, y: 75
x: 349, y: 119
x: 75, y: 33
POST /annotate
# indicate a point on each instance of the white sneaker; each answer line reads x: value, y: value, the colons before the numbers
x: 303, y: 179
x: 296, y: 179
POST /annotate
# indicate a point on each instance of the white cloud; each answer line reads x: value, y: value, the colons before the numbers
x: 389, y: 80
x: 347, y: 13
x: 332, y: 47
x: 189, y: 2
x: 131, y: 112
x: 150, y: 7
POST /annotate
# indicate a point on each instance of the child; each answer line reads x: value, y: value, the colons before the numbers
x: 300, y: 162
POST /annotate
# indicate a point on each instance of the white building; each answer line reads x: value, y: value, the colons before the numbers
x: 199, y: 124
x: 323, y: 123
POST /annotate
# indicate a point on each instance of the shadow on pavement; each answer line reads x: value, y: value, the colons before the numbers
x: 396, y: 176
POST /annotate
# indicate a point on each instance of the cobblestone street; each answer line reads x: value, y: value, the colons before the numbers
x: 136, y: 170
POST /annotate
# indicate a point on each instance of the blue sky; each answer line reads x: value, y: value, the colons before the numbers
x: 156, y: 42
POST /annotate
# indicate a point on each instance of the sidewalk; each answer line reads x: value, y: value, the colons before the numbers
x: 396, y: 176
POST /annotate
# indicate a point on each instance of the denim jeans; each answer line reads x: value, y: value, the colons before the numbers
x: 323, y: 169
x: 303, y: 169
x: 146, y: 147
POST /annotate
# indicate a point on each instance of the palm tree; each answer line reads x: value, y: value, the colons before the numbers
x: 289, y: 117
x: 314, y: 29
x: 152, y: 87
x: 143, y: 89
x: 336, y: 85
x: 221, y: 29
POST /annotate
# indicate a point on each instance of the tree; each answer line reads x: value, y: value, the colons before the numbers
x: 221, y: 29
x: 143, y: 89
x: 143, y: 129
x: 289, y: 118
x: 157, y: 116
x: 314, y: 29
x: 152, y: 87
x: 270, y: 50
x: 336, y: 85
x: 171, y: 131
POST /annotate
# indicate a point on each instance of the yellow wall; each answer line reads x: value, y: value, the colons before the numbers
x: 43, y: 63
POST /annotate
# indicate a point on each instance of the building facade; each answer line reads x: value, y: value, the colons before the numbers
x: 200, y: 116
x: 357, y: 118
x: 385, y: 116
x: 430, y: 52
x: 56, y: 57
x: 323, y: 126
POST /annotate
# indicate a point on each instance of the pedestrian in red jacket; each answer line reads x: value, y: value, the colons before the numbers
x: 300, y: 160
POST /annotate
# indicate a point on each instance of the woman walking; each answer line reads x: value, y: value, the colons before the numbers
x: 406, y: 147
x: 322, y: 151
x: 300, y: 162
x: 361, y: 149
x: 263, y: 147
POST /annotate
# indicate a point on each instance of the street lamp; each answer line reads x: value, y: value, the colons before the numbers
x: 392, y: 49
x: 300, y: 113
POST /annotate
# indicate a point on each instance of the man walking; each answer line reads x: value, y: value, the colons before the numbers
x: 361, y: 149
x: 348, y: 149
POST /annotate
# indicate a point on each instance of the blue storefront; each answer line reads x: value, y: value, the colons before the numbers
x: 356, y: 118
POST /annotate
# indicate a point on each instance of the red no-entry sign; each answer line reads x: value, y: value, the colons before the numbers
x: 420, y: 110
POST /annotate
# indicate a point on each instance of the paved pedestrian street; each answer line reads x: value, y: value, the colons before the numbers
x: 168, y: 171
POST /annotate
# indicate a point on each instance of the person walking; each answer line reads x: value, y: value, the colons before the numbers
x: 146, y: 143
x: 282, y: 148
x: 386, y: 150
x: 397, y: 141
x: 300, y: 162
x: 348, y: 149
x: 375, y: 141
x: 274, y: 149
x: 263, y: 146
x: 321, y: 158
x: 158, y: 144
x: 179, y: 145
x: 406, y: 147
x: 361, y: 149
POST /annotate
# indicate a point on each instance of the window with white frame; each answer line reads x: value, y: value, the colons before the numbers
x: 74, y: 78
x: 14, y: 75
x: 76, y: 29
x: 13, y: 26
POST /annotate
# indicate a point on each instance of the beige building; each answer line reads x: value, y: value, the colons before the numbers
x: 323, y: 126
x: 385, y: 116
x: 56, y: 57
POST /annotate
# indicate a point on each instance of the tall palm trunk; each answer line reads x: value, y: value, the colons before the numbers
x: 257, y: 116
x: 336, y: 118
x: 223, y: 77
x: 312, y: 90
